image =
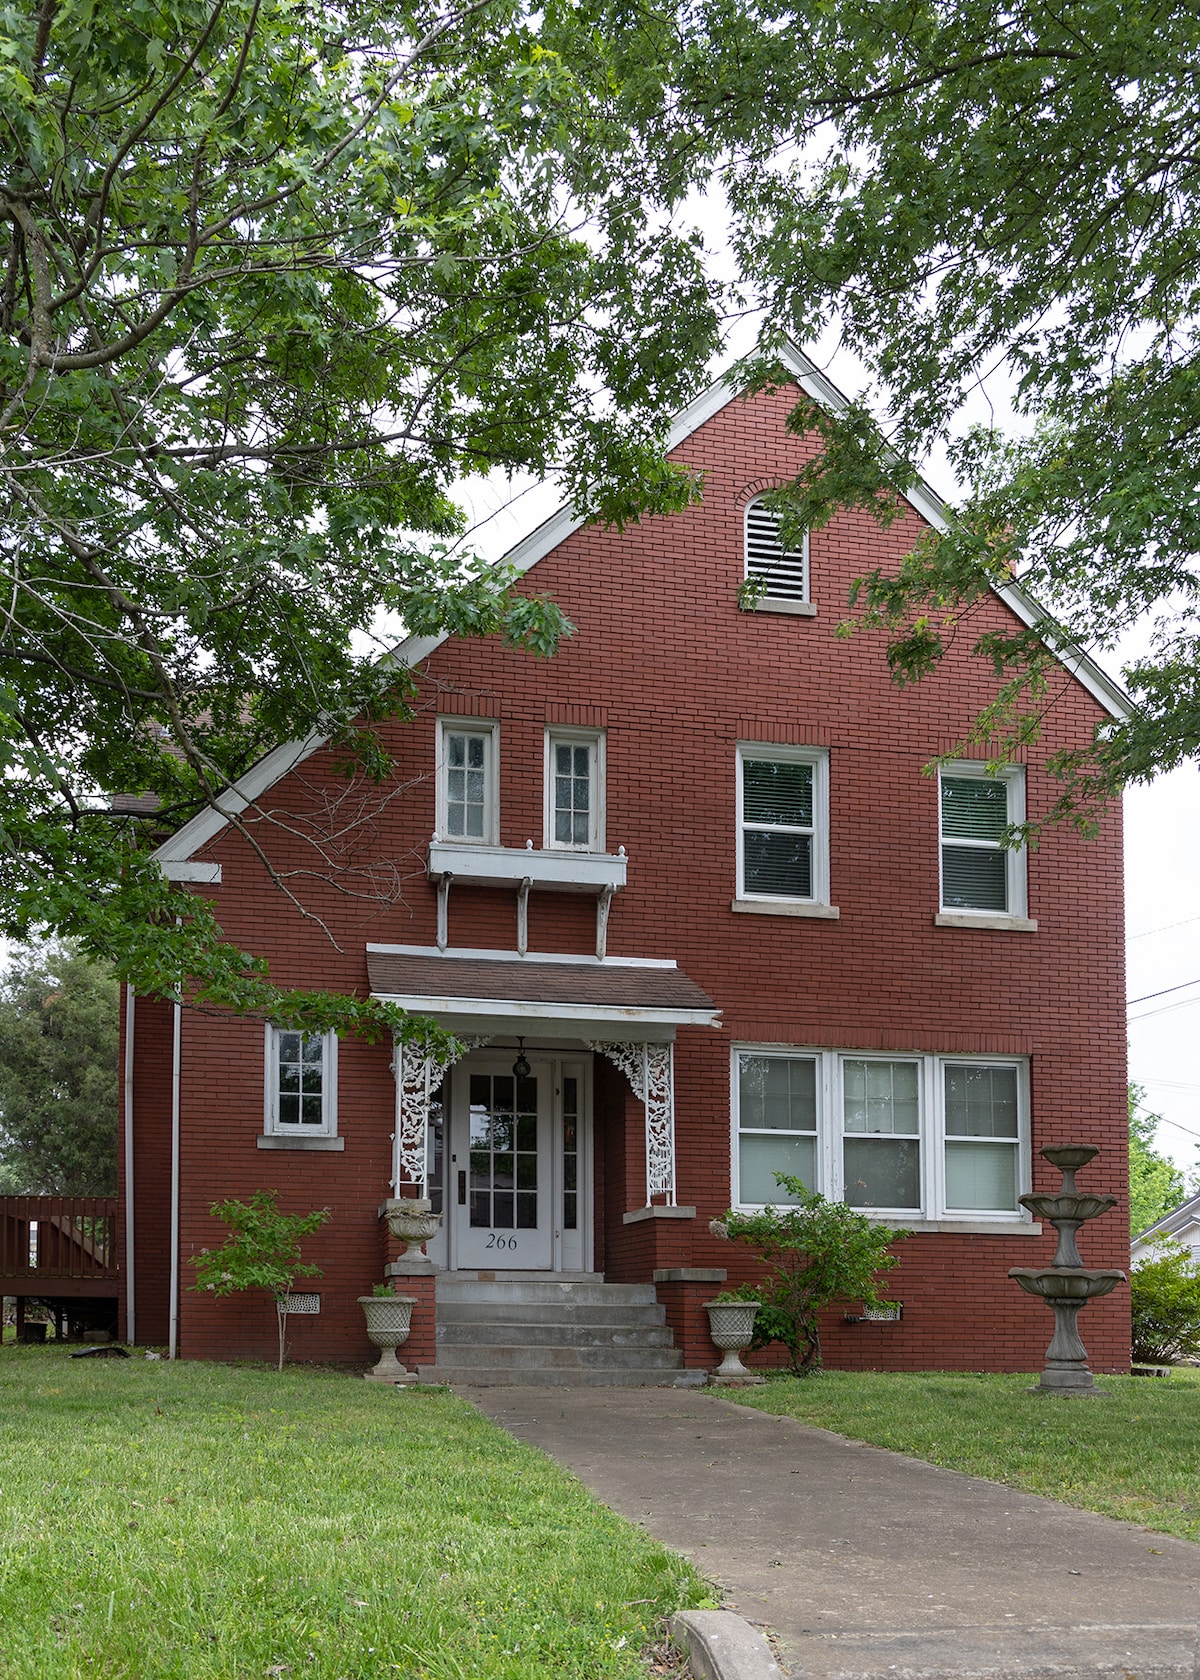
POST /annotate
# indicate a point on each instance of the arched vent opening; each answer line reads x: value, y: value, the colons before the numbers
x: 784, y: 571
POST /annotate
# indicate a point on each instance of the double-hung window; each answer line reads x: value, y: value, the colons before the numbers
x: 979, y: 873
x: 910, y: 1137
x: 468, y: 807
x: 574, y: 782
x: 301, y: 1083
x: 783, y: 823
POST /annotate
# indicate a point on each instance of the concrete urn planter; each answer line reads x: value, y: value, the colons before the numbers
x: 413, y: 1222
x: 389, y: 1319
x: 731, y: 1326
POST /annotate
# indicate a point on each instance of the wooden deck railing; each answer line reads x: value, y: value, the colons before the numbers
x: 57, y: 1237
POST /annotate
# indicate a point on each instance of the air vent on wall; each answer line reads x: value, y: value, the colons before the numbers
x: 785, y: 572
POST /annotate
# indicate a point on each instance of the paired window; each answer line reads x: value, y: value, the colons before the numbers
x: 468, y: 786
x: 301, y: 1083
x: 979, y: 873
x: 928, y: 1136
x: 781, y: 572
x: 783, y: 823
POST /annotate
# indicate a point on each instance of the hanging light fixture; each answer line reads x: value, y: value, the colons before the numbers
x: 521, y: 1067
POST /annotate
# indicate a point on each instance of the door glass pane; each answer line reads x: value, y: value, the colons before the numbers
x: 570, y: 1210
x: 503, y: 1113
x: 435, y: 1152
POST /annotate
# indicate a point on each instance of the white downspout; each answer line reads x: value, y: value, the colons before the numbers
x: 130, y: 1292
x: 173, y: 1334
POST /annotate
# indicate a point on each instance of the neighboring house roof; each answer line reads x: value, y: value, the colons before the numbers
x: 175, y: 852
x: 1178, y: 1223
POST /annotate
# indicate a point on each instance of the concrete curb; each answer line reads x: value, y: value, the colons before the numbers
x: 723, y: 1646
x: 1120, y: 1651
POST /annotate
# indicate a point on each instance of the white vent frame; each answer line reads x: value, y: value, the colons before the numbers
x: 785, y: 571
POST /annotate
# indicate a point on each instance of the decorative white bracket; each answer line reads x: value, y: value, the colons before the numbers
x: 418, y: 1076
x: 523, y: 915
x: 603, y: 905
x: 650, y: 1069
x: 443, y: 911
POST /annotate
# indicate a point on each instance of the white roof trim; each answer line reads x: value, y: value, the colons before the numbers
x: 483, y: 955
x: 417, y: 1003
x: 207, y: 824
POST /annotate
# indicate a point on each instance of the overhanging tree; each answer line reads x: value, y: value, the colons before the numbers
x: 983, y: 188
x: 273, y: 277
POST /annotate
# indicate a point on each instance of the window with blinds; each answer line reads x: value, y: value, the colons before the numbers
x: 782, y: 836
x: 783, y: 571
x: 979, y: 873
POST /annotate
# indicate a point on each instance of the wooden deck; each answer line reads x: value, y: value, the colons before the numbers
x: 60, y: 1247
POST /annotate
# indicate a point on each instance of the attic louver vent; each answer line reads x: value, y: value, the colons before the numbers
x: 785, y: 573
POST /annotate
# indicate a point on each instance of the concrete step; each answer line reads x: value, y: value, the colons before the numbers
x: 491, y: 1376
x: 548, y: 1312
x: 554, y: 1335
x: 534, y: 1290
x: 506, y: 1356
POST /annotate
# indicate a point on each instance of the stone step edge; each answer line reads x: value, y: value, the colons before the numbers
x: 1085, y: 1651
x: 470, y: 1376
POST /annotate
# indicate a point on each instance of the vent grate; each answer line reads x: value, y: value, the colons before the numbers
x: 785, y: 572
x: 303, y: 1302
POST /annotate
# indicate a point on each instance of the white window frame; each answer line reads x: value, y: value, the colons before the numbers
x: 818, y: 757
x: 491, y: 811
x: 272, y: 1125
x: 933, y: 1210
x: 787, y: 602
x: 593, y: 739
x: 1012, y: 778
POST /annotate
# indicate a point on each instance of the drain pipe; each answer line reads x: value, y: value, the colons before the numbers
x: 130, y: 1292
x: 173, y: 1335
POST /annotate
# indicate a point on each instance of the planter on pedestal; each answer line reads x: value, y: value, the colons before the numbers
x: 389, y: 1319
x: 731, y: 1326
x: 413, y: 1222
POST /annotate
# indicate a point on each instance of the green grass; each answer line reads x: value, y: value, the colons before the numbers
x: 213, y: 1523
x: 1134, y: 1456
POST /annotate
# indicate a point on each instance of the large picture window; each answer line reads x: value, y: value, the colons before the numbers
x: 783, y: 824
x: 915, y: 1137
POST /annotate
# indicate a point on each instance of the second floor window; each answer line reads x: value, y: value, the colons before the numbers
x: 979, y: 873
x: 467, y: 805
x: 783, y: 842
x: 574, y: 818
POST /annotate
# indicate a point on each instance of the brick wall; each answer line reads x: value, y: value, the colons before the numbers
x: 665, y: 662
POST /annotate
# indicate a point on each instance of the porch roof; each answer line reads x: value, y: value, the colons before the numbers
x: 538, y: 988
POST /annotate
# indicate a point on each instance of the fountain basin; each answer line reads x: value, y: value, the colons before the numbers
x: 1065, y: 1283
x: 1069, y: 1157
x: 1051, y: 1205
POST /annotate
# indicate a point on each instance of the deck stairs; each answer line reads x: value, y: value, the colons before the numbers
x: 553, y: 1330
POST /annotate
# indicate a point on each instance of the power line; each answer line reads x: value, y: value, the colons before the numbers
x: 1166, y: 928
x: 1182, y: 987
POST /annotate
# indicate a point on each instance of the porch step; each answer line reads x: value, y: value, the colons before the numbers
x: 553, y: 1331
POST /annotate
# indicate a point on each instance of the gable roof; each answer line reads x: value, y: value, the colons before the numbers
x: 1187, y: 1213
x: 174, y: 853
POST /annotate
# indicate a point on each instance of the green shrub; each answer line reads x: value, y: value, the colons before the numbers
x: 816, y: 1253
x: 1166, y: 1306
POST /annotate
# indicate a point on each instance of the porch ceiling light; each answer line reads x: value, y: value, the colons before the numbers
x: 521, y: 1068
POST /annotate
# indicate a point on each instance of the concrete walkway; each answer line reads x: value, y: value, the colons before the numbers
x: 862, y: 1562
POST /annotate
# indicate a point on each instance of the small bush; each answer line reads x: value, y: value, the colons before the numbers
x: 1166, y: 1306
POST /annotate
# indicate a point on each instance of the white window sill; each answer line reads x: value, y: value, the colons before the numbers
x: 636, y: 1215
x: 777, y: 604
x: 967, y: 1227
x: 280, y: 1140
x: 984, y: 919
x: 783, y: 907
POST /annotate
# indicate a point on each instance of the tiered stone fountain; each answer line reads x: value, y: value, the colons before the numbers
x: 1067, y: 1285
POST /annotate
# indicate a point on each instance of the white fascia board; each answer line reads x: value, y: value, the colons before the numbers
x: 601, y: 1014
x: 483, y: 955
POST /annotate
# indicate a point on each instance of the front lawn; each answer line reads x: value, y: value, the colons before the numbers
x: 1134, y: 1456
x: 221, y: 1524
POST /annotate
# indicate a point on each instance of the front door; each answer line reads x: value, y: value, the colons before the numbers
x: 500, y: 1168
x: 509, y: 1164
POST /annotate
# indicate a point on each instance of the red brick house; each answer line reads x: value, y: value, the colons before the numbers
x: 695, y: 875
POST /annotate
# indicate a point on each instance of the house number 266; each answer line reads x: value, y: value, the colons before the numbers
x: 497, y: 1239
